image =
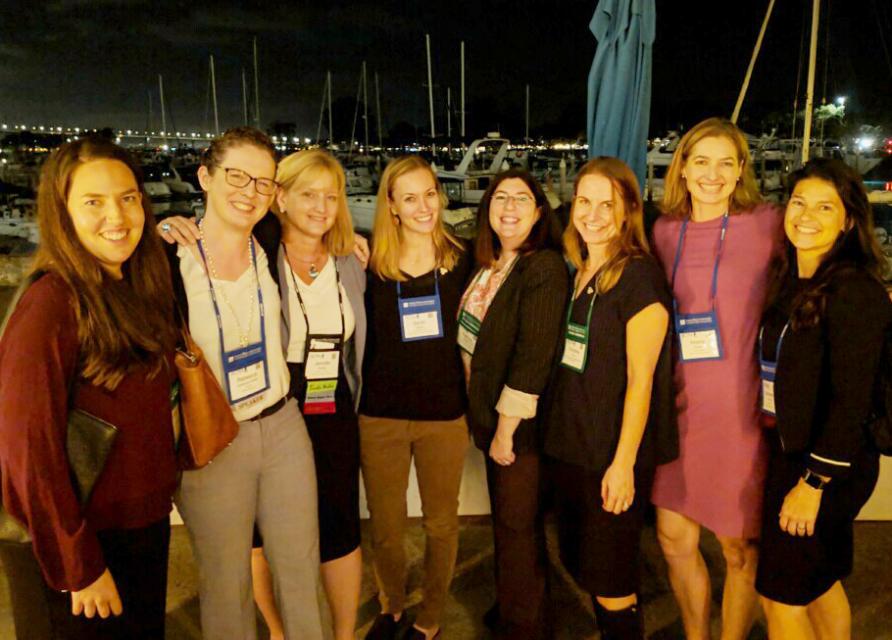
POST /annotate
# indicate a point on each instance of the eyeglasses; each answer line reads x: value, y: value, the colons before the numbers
x: 239, y: 179
x: 521, y: 200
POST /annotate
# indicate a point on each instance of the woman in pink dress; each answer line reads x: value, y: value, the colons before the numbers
x: 715, y: 240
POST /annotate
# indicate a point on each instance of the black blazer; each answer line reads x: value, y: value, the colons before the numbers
x: 826, y: 374
x: 517, y: 344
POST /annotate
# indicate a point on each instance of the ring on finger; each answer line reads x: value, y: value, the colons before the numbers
x: 165, y: 227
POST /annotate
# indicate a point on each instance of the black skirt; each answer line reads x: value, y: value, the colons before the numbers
x: 797, y: 570
x: 335, y: 438
x: 599, y: 549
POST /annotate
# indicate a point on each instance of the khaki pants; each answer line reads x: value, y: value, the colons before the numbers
x: 387, y: 447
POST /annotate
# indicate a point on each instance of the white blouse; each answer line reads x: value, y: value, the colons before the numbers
x: 203, y: 323
x: 321, y: 301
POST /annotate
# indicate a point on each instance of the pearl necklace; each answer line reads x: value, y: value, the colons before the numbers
x: 243, y: 336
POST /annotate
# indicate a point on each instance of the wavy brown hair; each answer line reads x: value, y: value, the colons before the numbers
x: 630, y: 241
x: 676, y: 198
x: 856, y: 247
x: 122, y: 325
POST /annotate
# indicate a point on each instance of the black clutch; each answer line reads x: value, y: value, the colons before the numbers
x: 88, y: 442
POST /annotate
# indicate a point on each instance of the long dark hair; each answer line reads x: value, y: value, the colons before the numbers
x: 545, y: 234
x: 856, y: 246
x: 121, y: 325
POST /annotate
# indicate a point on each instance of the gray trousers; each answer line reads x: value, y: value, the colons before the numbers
x: 267, y: 474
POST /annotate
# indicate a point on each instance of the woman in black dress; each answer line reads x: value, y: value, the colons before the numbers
x: 820, y: 347
x: 611, y: 418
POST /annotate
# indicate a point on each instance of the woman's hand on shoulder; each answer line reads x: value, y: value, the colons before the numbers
x: 180, y: 230
x: 99, y: 597
x: 361, y: 250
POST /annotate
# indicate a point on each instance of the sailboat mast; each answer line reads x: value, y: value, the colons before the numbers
x: 749, y: 70
x: 245, y: 96
x: 449, y: 112
x: 163, y: 114
x: 810, y: 85
x: 355, y: 114
x: 214, y: 98
x: 430, y: 87
x: 463, y: 89
x: 322, y: 111
x: 330, y: 117
x: 149, y: 124
x: 378, y: 110
x: 256, y: 89
x: 365, y: 104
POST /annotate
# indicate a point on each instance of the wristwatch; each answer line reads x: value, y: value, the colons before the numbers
x: 813, y: 480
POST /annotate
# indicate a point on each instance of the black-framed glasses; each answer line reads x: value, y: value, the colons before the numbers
x: 239, y: 179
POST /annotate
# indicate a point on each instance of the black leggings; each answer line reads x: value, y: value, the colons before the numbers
x: 137, y: 559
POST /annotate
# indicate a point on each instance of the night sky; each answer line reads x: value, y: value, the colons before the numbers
x: 93, y: 62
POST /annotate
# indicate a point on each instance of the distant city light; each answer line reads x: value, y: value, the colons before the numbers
x: 865, y: 143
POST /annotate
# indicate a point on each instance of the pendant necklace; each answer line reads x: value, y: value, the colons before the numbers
x: 312, y: 271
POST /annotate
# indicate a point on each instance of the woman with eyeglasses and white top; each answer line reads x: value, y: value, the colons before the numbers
x: 267, y: 474
x: 510, y: 320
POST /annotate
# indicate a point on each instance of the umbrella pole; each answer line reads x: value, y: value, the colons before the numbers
x: 810, y: 87
x: 749, y: 71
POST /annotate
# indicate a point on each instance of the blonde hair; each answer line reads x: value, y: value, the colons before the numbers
x: 676, y: 198
x: 385, y: 260
x: 304, y: 166
x: 630, y: 241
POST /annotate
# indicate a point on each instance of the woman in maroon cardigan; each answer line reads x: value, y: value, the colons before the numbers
x: 93, y: 332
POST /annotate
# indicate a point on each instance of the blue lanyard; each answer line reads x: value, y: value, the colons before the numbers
x: 718, y: 257
x: 399, y: 290
x: 777, y: 349
x: 217, y: 307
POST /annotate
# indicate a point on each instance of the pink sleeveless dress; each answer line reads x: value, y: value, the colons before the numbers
x: 718, y: 477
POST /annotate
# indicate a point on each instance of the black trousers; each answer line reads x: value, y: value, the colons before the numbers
x: 515, y: 495
x: 137, y: 560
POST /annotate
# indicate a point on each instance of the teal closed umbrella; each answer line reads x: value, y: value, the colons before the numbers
x: 619, y: 81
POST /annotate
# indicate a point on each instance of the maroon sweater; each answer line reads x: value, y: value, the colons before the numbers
x: 38, y: 356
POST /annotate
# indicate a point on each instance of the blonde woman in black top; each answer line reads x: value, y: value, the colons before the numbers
x: 509, y: 323
x: 413, y: 397
x: 611, y: 417
x: 821, y: 341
